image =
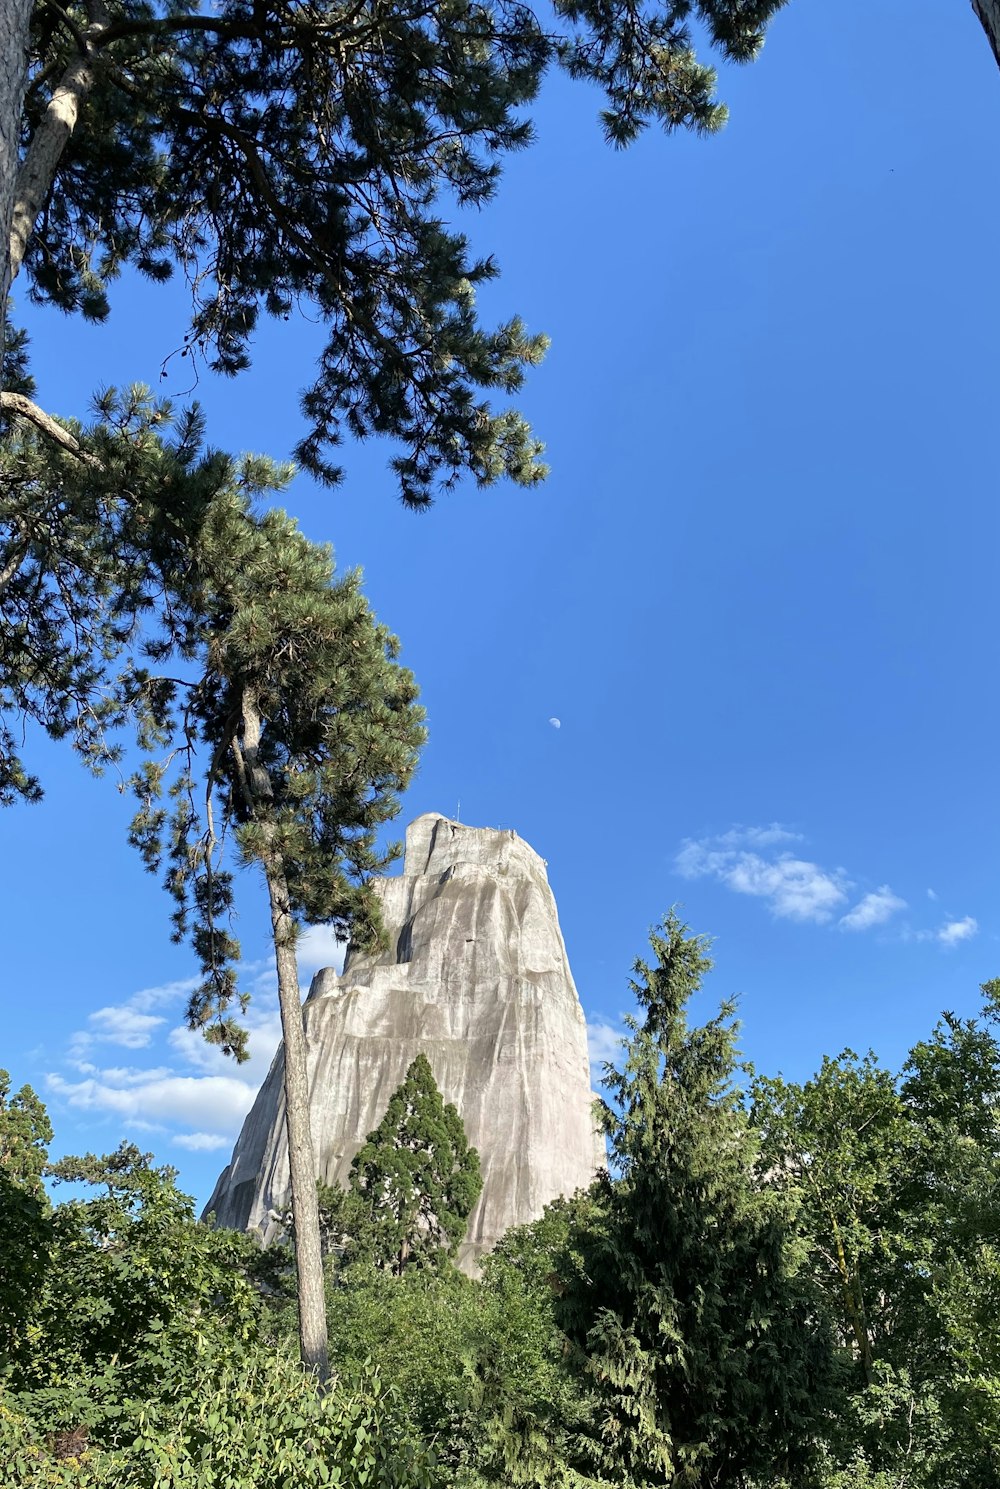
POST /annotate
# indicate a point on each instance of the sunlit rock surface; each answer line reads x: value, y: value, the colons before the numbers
x: 477, y: 978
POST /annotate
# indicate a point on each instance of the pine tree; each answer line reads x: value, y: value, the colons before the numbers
x: 416, y: 1177
x: 94, y: 520
x: 684, y: 1306
x: 294, y: 733
x: 279, y: 153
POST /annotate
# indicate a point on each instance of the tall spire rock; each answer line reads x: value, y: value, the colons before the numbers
x: 475, y: 978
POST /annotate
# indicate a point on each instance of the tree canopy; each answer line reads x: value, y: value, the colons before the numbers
x: 685, y: 1304
x: 415, y: 1178
x: 283, y: 154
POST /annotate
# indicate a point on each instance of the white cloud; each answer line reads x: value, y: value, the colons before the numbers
x: 318, y: 947
x: 875, y: 909
x: 199, y: 1087
x: 556, y: 723
x: 129, y: 1024
x: 264, y: 1035
x: 758, y: 837
x: 214, y: 1102
x: 164, y: 993
x: 123, y: 1025
x: 795, y: 888
x: 603, y: 1045
x: 955, y: 931
x: 121, y: 1075
x: 931, y: 895
x: 201, y: 1142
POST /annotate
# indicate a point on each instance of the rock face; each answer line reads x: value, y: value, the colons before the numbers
x: 477, y: 979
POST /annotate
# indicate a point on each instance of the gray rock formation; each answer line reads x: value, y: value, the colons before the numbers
x: 477, y: 978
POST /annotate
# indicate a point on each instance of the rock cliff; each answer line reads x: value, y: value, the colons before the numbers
x: 476, y: 977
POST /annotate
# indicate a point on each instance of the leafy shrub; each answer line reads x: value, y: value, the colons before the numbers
x: 260, y: 1421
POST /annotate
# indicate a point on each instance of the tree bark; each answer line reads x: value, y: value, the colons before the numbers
x: 988, y: 12
x: 49, y: 140
x: 313, y: 1337
x: 15, y: 24
x: 17, y: 403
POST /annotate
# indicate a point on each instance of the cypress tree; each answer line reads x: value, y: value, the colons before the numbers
x: 685, y: 1308
x: 416, y: 1177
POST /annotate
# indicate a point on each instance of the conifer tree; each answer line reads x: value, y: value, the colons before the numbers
x: 294, y: 734
x: 685, y: 1306
x: 25, y: 1234
x: 92, y: 525
x: 416, y: 1177
x: 281, y: 153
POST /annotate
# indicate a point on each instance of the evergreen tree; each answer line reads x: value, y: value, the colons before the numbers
x: 92, y: 527
x: 685, y: 1305
x: 25, y: 1222
x: 416, y: 1178
x: 280, y: 153
x: 293, y: 734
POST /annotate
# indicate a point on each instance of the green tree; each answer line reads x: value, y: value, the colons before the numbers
x: 280, y: 153
x: 479, y: 1362
x: 416, y: 1178
x: 255, y: 1420
x: 293, y: 733
x: 25, y: 1227
x: 92, y: 526
x: 837, y: 1143
x: 686, y: 1306
x: 896, y: 1180
x: 134, y: 1289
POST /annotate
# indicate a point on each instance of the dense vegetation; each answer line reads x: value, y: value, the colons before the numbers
x: 772, y: 1285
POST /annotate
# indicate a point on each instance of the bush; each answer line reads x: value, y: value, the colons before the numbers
x: 257, y: 1422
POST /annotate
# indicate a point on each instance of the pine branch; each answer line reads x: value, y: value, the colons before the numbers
x: 38, y: 169
x: 18, y: 404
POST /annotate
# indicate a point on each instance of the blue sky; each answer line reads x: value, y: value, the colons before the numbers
x: 757, y: 590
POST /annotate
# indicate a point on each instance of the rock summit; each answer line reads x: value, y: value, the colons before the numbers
x: 475, y: 977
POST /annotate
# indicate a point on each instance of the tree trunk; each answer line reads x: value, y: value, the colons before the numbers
x: 15, y: 21
x: 35, y: 177
x: 988, y: 12
x: 24, y: 185
x: 313, y: 1338
x: 313, y: 1343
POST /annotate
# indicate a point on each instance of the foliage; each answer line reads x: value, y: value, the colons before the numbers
x: 897, y: 1182
x: 669, y: 1327
x: 307, y: 728
x: 415, y: 1180
x: 143, y: 1360
x: 90, y: 533
x: 835, y: 1141
x: 687, y: 1311
x: 254, y: 1420
x: 283, y: 154
x: 26, y: 1227
x: 134, y: 1292
x: 479, y: 1363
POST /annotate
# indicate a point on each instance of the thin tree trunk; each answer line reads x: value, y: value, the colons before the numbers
x: 313, y: 1338
x: 988, y: 12
x: 15, y: 23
